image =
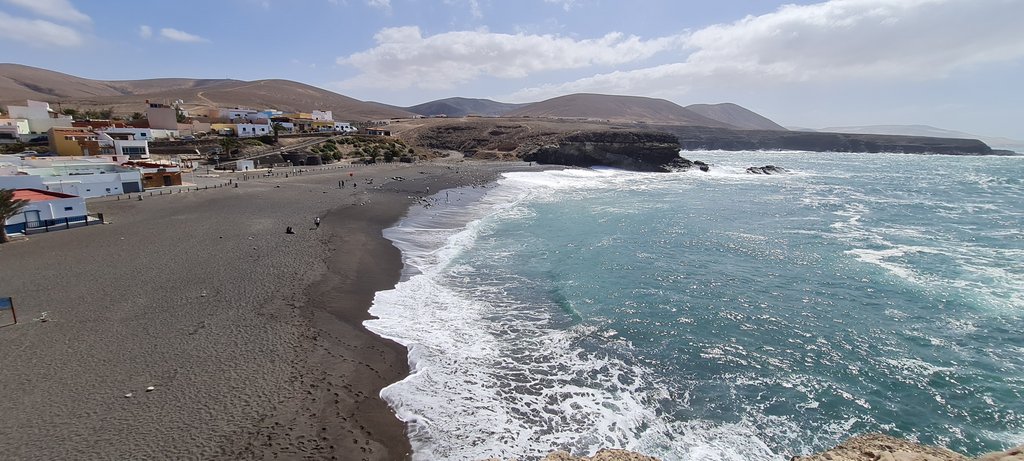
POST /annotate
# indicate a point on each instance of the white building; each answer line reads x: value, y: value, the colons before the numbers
x: 323, y: 115
x: 81, y: 176
x: 125, y: 144
x: 234, y: 113
x: 13, y: 128
x: 249, y: 130
x: 344, y: 127
x: 46, y: 208
x: 39, y: 115
x: 34, y: 109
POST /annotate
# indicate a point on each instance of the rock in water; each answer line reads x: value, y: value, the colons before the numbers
x: 767, y: 169
x: 683, y: 164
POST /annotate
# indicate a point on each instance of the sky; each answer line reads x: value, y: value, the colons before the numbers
x: 953, y: 64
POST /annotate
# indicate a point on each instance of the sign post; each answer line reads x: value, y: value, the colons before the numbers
x: 8, y: 303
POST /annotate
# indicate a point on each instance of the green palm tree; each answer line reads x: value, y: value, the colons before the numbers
x: 278, y: 128
x: 9, y: 206
x: 227, y: 145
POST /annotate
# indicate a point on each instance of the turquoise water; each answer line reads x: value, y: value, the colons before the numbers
x: 718, y: 316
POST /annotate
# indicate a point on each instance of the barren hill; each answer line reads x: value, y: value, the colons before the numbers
x: 461, y: 107
x: 736, y: 115
x: 18, y: 83
x: 615, y: 108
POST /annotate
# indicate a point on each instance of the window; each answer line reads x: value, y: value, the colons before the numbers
x: 133, y: 150
x: 69, y: 208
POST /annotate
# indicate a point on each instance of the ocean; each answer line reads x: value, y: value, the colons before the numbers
x: 715, y: 316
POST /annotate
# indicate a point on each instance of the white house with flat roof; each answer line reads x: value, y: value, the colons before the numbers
x: 81, y: 176
x: 323, y: 115
x: 248, y: 130
x: 124, y: 142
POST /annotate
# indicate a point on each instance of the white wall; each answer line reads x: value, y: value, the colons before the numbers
x: 121, y: 145
x: 165, y: 134
x: 19, y: 124
x: 34, y: 109
x: 89, y: 186
x: 42, y: 125
x: 245, y: 165
x: 323, y: 115
x: 248, y: 130
x: 236, y: 113
x: 53, y: 209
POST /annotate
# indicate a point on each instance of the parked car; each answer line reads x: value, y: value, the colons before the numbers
x: 39, y: 139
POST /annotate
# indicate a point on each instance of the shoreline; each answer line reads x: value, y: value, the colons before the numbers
x: 360, y: 261
x: 251, y: 337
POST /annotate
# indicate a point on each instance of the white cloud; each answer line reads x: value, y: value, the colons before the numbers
x: 145, y: 31
x: 38, y: 32
x: 566, y: 4
x: 404, y: 58
x: 61, y: 10
x: 382, y: 4
x: 180, y: 36
x: 838, y: 40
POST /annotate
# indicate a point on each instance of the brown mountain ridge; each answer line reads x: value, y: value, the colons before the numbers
x: 19, y: 82
x: 616, y: 108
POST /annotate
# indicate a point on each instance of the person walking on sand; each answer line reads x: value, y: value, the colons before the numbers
x: 316, y: 222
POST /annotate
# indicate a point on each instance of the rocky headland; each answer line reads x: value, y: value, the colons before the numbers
x: 629, y: 150
x: 711, y: 138
x: 646, y: 147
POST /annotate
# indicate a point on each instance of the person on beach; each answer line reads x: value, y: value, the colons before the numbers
x: 316, y: 222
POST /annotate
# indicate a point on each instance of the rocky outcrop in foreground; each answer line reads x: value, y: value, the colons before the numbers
x: 868, y: 447
x: 880, y: 447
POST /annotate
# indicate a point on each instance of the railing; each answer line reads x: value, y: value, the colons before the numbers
x: 47, y: 225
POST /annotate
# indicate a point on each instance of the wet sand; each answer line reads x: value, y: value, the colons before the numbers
x: 251, y: 338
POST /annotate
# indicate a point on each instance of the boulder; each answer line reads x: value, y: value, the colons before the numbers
x: 767, y: 169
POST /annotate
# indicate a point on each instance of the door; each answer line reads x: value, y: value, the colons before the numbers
x: 167, y: 180
x: 32, y: 219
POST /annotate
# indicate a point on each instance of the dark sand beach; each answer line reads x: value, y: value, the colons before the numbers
x: 251, y: 338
